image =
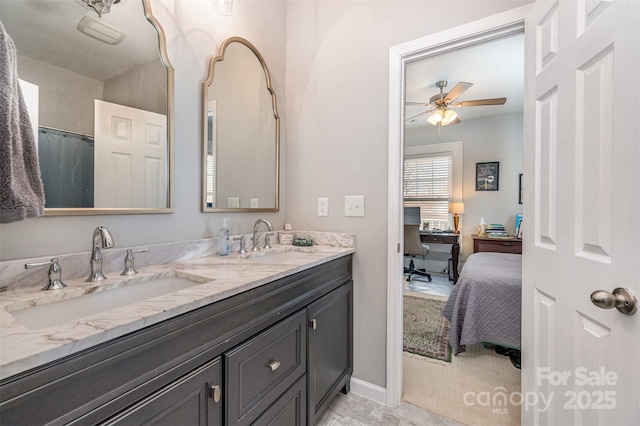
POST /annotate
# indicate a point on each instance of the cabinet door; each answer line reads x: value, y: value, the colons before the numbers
x: 194, y: 399
x: 330, y: 353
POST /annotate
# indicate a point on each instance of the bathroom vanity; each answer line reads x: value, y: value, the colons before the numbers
x: 272, y: 351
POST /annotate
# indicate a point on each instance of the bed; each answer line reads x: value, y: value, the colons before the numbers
x: 486, y: 302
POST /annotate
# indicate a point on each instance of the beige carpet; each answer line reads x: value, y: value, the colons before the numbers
x: 479, y: 374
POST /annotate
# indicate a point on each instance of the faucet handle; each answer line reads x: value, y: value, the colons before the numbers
x: 55, y: 274
x: 256, y: 242
x: 242, y: 244
x: 267, y: 238
x: 129, y: 269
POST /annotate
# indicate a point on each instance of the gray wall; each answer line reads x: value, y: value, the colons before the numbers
x: 65, y: 98
x: 143, y: 87
x: 337, y: 132
x: 334, y: 140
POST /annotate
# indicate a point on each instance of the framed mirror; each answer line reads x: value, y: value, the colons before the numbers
x: 241, y: 132
x: 99, y: 87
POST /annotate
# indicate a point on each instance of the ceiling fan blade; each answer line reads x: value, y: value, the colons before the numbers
x: 417, y: 103
x: 457, y: 90
x: 479, y: 102
x: 416, y: 116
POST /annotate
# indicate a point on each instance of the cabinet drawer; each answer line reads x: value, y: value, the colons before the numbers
x: 290, y: 409
x: 500, y: 247
x: 259, y: 371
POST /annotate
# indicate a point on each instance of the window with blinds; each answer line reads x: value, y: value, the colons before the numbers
x: 428, y: 183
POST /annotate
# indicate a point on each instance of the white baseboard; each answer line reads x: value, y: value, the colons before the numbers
x: 369, y: 390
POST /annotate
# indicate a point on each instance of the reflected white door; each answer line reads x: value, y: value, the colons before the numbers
x: 130, y: 157
x: 582, y: 199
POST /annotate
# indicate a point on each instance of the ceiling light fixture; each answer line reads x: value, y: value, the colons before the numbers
x: 101, y: 7
x: 100, y: 30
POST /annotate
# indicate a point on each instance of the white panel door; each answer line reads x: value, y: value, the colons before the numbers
x: 31, y: 95
x: 581, y: 363
x: 130, y: 157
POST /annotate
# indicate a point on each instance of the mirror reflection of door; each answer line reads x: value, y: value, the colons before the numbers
x: 130, y: 157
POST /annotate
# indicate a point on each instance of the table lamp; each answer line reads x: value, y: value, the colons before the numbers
x: 456, y: 209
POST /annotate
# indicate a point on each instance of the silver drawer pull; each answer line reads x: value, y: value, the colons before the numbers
x: 313, y: 323
x: 215, y: 393
x: 274, y: 365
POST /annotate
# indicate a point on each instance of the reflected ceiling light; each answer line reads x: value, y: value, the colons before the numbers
x: 100, y: 30
x: 101, y: 7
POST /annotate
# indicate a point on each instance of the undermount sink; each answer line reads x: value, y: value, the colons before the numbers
x: 42, y: 316
x: 291, y: 256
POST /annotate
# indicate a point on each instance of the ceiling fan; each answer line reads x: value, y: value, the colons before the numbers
x: 441, y: 103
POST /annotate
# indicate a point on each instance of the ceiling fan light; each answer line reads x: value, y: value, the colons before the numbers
x: 435, y: 118
x: 449, y: 116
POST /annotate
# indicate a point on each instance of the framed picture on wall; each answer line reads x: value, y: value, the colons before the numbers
x: 520, y: 190
x: 487, y: 176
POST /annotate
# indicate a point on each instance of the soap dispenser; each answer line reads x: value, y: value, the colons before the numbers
x: 224, y: 246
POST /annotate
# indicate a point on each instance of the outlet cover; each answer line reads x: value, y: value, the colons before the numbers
x: 254, y: 203
x: 233, y: 202
x: 354, y: 205
x: 323, y: 207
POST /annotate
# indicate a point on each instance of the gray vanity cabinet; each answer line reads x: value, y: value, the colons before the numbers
x: 252, y: 358
x: 330, y: 349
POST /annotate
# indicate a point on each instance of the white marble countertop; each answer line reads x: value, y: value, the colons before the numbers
x: 22, y: 349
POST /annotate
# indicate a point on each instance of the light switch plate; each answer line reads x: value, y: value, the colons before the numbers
x: 354, y: 205
x: 254, y: 203
x: 233, y: 202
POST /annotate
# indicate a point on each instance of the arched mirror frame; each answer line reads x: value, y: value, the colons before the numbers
x: 205, y: 100
x: 162, y: 47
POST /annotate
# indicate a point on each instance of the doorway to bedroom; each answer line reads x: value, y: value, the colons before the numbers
x: 439, y: 168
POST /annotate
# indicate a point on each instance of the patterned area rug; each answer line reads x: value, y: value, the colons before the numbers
x: 425, y: 330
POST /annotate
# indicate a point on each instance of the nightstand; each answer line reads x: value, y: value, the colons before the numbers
x: 496, y: 245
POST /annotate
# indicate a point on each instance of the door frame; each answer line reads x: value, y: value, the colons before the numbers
x: 497, y: 26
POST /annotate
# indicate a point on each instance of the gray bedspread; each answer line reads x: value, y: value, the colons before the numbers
x: 486, y: 302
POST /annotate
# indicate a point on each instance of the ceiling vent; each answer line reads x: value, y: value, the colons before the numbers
x: 100, y: 31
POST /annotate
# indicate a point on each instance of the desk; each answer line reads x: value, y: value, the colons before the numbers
x: 453, y: 239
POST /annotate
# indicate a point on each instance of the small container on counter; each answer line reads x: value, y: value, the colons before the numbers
x: 286, y: 237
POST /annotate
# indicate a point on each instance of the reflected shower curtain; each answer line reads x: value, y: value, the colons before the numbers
x: 66, y: 166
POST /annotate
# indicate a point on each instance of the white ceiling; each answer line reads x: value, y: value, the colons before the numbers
x: 47, y: 30
x: 496, y: 70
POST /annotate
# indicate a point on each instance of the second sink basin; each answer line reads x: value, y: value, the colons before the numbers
x: 46, y: 315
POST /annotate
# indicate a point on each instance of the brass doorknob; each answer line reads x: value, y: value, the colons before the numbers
x: 622, y: 299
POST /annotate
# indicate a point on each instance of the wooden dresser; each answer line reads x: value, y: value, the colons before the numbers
x: 496, y: 245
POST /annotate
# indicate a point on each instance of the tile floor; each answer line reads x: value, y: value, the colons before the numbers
x: 354, y: 410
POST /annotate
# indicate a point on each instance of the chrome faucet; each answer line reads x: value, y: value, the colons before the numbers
x: 102, y: 239
x: 255, y: 239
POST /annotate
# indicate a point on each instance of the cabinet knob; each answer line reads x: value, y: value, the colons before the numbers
x: 274, y: 365
x: 215, y: 393
x: 313, y: 323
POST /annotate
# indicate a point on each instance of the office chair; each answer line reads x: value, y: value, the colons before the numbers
x: 413, y: 247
